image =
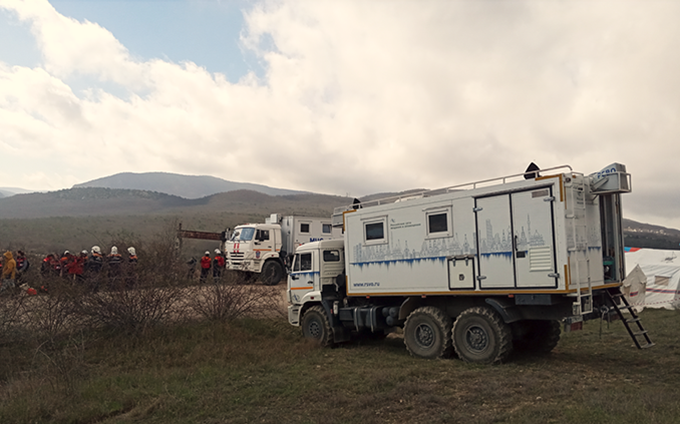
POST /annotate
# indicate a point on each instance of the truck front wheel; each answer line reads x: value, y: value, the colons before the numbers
x: 481, y: 336
x: 315, y: 326
x: 427, y: 333
x: 272, y: 273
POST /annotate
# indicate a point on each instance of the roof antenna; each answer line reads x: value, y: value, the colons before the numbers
x: 529, y: 173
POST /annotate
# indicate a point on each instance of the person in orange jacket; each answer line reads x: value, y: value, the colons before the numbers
x: 217, y: 265
x: 206, y: 261
x: 9, y: 272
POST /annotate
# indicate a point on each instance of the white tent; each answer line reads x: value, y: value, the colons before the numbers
x: 662, y: 271
x: 635, y: 288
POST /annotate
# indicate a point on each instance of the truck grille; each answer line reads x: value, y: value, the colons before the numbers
x: 236, y: 258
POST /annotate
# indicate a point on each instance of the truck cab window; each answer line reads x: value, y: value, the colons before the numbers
x: 306, y: 262
x: 302, y: 262
x: 331, y: 256
x: 246, y: 234
x: 262, y: 235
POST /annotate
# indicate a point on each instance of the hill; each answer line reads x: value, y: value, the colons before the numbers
x: 91, y: 202
x: 186, y: 186
x: 84, y: 216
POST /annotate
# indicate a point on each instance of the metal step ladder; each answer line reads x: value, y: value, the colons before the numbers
x: 641, y: 334
x: 583, y: 304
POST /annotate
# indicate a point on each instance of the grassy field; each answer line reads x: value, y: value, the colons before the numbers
x: 261, y: 370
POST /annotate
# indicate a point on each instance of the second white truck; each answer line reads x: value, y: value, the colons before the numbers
x: 266, y: 249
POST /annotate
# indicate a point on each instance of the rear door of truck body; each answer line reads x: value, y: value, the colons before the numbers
x: 516, y: 239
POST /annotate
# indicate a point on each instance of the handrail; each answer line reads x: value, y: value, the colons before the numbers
x: 472, y: 185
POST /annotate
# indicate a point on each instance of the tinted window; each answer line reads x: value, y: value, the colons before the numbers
x: 331, y: 256
x: 437, y: 223
x: 375, y: 231
x: 304, y: 228
x: 326, y: 228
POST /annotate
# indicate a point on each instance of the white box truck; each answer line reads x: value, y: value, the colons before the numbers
x: 479, y: 269
x: 266, y: 249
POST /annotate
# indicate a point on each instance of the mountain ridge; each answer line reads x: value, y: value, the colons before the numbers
x: 186, y: 186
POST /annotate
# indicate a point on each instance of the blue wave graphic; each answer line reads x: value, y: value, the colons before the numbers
x: 494, y: 254
x: 409, y: 262
x: 306, y: 273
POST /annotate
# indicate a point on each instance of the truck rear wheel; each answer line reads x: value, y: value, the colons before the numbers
x: 481, y: 336
x: 538, y: 336
x: 315, y: 326
x: 427, y: 333
x: 272, y: 273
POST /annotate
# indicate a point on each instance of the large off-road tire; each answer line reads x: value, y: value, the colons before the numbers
x: 272, y: 273
x: 427, y: 333
x: 539, y: 337
x: 315, y: 326
x: 481, y: 336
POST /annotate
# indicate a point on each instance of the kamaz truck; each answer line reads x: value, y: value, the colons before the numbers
x: 266, y: 249
x: 479, y: 269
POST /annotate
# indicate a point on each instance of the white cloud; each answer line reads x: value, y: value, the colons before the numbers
x: 362, y: 97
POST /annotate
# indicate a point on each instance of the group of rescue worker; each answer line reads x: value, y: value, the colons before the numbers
x: 91, y: 268
x: 216, y: 264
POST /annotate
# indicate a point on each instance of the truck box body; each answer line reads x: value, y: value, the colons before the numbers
x: 541, y: 236
x: 297, y: 230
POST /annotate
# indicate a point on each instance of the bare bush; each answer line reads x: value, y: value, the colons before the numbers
x: 230, y: 298
x: 55, y: 314
x: 11, y: 308
x: 129, y: 309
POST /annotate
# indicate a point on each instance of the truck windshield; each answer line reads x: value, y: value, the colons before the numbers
x: 243, y: 234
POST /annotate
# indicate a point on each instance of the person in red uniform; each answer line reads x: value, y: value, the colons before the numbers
x: 76, y: 266
x: 217, y: 265
x: 66, y: 258
x: 206, y: 261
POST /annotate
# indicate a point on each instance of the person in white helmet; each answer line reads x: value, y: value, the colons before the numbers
x: 206, y: 261
x: 217, y: 265
x: 93, y: 267
x: 114, y: 261
x: 131, y: 268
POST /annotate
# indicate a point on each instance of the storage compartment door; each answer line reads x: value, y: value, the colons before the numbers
x: 532, y: 219
x: 494, y: 242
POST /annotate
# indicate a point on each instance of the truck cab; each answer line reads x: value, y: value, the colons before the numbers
x: 315, y: 265
x: 255, y: 248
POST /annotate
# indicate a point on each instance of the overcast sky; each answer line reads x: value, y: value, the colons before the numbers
x: 342, y: 97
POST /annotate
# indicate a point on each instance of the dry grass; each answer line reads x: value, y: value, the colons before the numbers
x: 261, y: 370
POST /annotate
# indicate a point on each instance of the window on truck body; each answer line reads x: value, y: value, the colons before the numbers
x: 304, y: 227
x: 439, y: 223
x: 375, y: 230
x: 326, y: 228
